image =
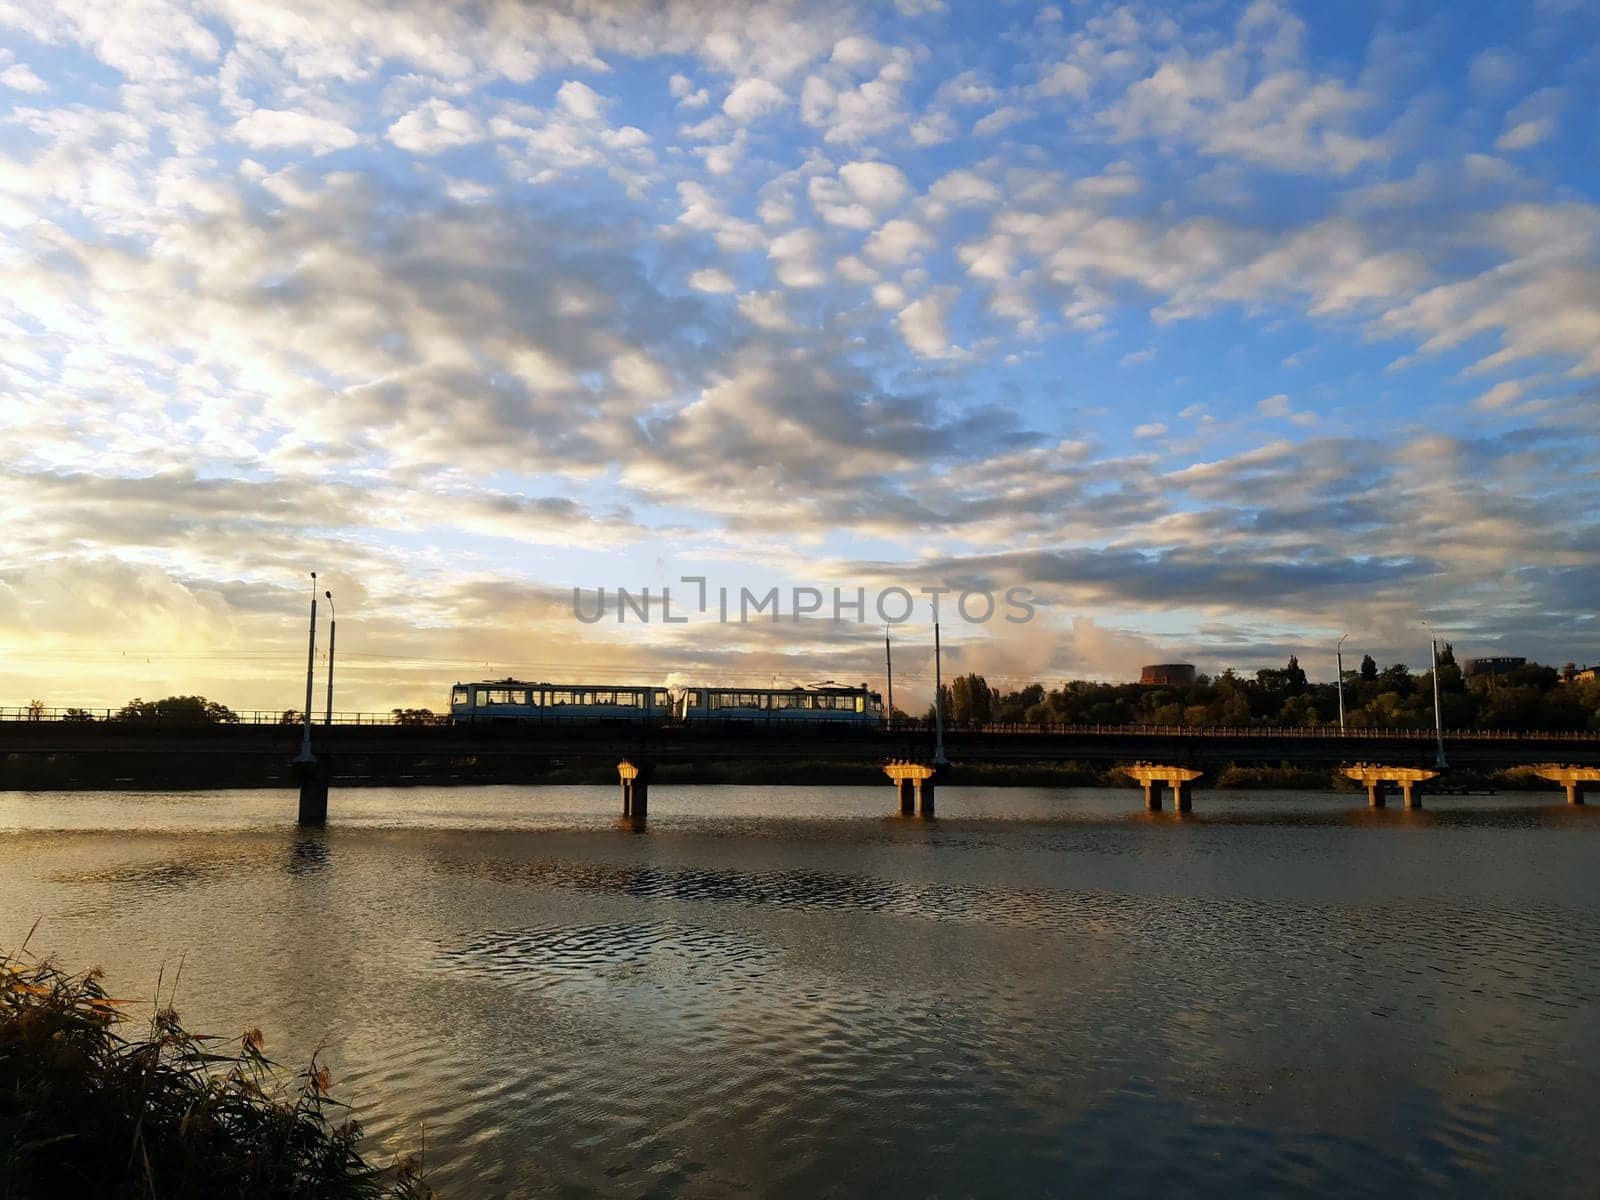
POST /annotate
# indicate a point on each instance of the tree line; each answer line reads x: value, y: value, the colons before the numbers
x: 197, y: 710
x: 1530, y: 697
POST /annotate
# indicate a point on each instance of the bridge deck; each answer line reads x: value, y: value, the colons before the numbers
x: 1199, y: 747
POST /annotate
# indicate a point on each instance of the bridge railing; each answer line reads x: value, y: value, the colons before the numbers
x: 188, y: 717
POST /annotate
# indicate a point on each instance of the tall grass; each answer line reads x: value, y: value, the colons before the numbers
x: 91, y: 1106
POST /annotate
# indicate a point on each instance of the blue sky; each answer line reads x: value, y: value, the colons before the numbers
x: 1223, y: 328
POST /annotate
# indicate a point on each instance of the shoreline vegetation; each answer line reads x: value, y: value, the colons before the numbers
x: 90, y: 1105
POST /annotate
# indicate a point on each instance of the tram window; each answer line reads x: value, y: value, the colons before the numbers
x: 628, y: 699
x: 661, y: 700
x: 694, y: 699
x: 560, y: 697
x: 536, y: 698
x: 861, y: 704
x: 502, y: 696
x: 785, y: 701
x: 458, y: 695
x: 604, y: 698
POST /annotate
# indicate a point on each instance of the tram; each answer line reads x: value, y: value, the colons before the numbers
x: 829, y: 702
x: 518, y: 700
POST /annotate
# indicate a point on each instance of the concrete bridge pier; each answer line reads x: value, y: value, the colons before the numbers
x: 635, y: 779
x: 1155, y: 778
x: 1575, y: 780
x: 914, y: 784
x: 314, y: 776
x: 1379, y: 779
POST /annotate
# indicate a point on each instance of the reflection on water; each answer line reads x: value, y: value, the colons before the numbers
x: 308, y: 853
x: 1040, y: 993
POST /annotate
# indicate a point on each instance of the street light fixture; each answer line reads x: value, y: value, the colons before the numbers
x: 1338, y: 654
x: 1438, y: 717
x: 333, y: 630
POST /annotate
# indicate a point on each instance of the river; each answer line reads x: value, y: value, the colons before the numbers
x: 789, y: 992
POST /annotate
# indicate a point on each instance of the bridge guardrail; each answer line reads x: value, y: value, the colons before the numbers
x: 258, y: 718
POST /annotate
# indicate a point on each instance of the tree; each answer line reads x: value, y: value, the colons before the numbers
x: 291, y: 716
x: 415, y: 716
x: 77, y: 714
x: 971, y: 699
x: 1397, y: 679
x: 192, y: 710
x: 35, y: 710
x: 1369, y: 669
x: 1294, y: 677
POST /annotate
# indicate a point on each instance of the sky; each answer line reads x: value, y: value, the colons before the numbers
x: 1220, y: 329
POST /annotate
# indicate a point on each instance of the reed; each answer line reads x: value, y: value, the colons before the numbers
x: 93, y: 1105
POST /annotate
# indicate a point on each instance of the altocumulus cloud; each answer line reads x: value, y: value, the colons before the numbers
x: 470, y: 305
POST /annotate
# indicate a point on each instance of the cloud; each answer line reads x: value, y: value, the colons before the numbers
x: 751, y: 99
x: 1493, y: 69
x: 794, y: 258
x: 964, y: 188
x: 896, y: 242
x: 277, y: 129
x: 1526, y: 134
x: 922, y: 324
x: 1251, y: 100
x: 582, y: 101
x: 686, y: 94
x: 1280, y: 408
x: 878, y: 185
x: 20, y: 78
x: 435, y: 126
x: 711, y: 280
x: 998, y: 120
x: 849, y: 112
x: 769, y: 311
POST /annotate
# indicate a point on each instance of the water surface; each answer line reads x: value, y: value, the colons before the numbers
x: 788, y: 991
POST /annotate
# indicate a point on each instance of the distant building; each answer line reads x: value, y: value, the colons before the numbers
x: 1168, y: 674
x: 1492, y: 666
x: 1580, y: 675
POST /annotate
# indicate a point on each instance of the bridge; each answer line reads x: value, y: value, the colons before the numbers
x: 1158, y: 756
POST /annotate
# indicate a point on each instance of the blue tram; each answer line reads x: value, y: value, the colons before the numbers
x: 519, y: 700
x: 522, y: 701
x: 829, y: 702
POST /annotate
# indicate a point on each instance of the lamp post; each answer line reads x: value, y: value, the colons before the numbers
x: 888, y: 674
x: 333, y: 631
x: 1338, y: 654
x: 305, y: 754
x: 939, y: 760
x: 1438, y: 718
